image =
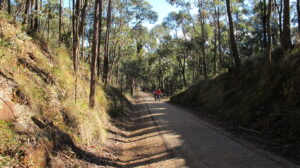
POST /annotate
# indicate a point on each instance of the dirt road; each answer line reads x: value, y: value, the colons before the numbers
x: 197, y: 142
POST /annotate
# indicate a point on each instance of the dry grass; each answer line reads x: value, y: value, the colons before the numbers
x: 10, y: 145
x: 86, y: 124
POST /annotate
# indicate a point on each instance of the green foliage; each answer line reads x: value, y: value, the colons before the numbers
x: 6, y: 16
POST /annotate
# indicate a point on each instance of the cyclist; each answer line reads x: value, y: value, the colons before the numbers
x: 157, y: 94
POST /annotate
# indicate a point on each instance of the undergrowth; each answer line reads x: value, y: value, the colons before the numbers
x: 257, y: 96
x: 10, y: 145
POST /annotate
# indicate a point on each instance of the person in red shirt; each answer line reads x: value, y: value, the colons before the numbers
x: 157, y: 94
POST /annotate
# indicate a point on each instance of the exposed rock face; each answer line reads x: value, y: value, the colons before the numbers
x: 10, y: 110
x: 7, y: 109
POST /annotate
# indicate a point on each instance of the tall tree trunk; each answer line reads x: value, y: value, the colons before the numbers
x: 263, y: 18
x: 182, y: 65
x: 159, y: 71
x: 30, y: 20
x: 82, y: 24
x: 200, y: 69
x: 8, y: 6
x: 204, y: 62
x: 75, y: 21
x: 298, y: 13
x: 82, y: 44
x: 219, y: 39
x: 215, y: 50
x: 203, y: 40
x: 183, y: 74
x: 279, y: 8
x: 41, y: 5
x: 106, y: 49
x: 269, y: 44
x: 60, y: 23
x: 94, y: 56
x: 232, y: 38
x: 48, y: 23
x: 286, y: 34
x: 26, y: 12
x: 36, y: 18
x: 83, y: 16
x: 99, y: 44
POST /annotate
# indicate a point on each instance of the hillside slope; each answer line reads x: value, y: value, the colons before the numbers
x: 38, y: 114
x: 252, y: 98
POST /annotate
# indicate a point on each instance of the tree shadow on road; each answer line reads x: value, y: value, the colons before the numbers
x: 140, y: 128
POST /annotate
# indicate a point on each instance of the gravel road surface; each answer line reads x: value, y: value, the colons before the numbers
x: 201, y: 144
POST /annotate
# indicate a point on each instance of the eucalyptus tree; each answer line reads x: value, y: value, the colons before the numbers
x: 9, y: 6
x: 129, y: 35
x: 286, y: 32
x: 36, y: 18
x: 99, y: 43
x: 232, y: 36
x: 75, y: 46
x: 161, y: 57
x: 202, y: 20
x: 279, y: 7
x: 179, y: 22
x: 298, y: 13
x: 106, y: 48
x: 60, y: 20
x: 268, y: 26
x: 94, y: 55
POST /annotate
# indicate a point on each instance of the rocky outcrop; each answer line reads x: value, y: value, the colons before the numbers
x: 7, y: 106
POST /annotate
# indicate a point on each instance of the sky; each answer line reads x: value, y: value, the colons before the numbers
x: 162, y: 8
